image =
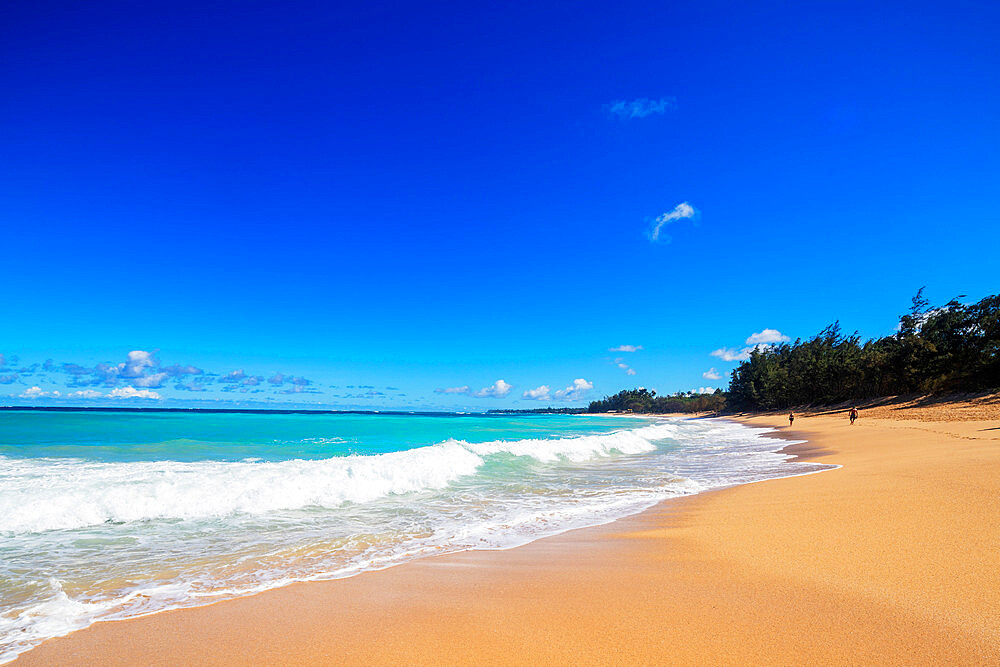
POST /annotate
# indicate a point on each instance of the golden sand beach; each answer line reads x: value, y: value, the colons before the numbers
x: 894, y: 558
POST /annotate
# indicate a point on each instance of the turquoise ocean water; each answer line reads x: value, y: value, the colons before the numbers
x: 106, y: 515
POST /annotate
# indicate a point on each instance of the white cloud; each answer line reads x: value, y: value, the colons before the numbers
x: 453, y: 390
x: 712, y: 374
x: 576, y: 391
x: 758, y: 341
x: 538, y: 394
x: 625, y: 348
x: 738, y: 354
x: 132, y: 392
x: 642, y: 107
x: 703, y: 390
x: 767, y: 336
x: 85, y: 393
x: 138, y: 360
x: 732, y: 353
x: 682, y: 210
x: 38, y: 392
x: 620, y: 363
x: 498, y: 389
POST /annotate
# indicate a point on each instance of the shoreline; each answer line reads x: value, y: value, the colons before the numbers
x: 471, y: 606
x: 771, y: 435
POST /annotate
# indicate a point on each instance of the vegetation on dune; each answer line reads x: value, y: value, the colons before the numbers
x: 949, y: 349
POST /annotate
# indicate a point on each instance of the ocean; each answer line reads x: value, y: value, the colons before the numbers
x: 109, y: 515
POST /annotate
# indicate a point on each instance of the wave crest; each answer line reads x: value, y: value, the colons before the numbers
x: 52, y: 494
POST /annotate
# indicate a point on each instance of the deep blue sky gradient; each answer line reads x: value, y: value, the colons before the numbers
x: 438, y: 195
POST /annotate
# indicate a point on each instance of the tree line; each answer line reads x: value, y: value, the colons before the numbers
x: 645, y: 400
x: 954, y: 348
x: 948, y: 349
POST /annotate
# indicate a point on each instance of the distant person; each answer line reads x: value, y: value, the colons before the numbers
x: 854, y: 415
x: 791, y: 418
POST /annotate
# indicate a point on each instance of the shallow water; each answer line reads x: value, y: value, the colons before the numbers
x: 110, y: 515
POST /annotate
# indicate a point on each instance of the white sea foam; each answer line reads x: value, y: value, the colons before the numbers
x: 57, y: 494
x: 233, y: 528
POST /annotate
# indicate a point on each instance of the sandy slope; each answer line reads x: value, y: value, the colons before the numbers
x: 894, y: 558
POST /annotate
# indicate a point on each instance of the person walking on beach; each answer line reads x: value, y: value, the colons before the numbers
x: 854, y: 415
x: 791, y: 418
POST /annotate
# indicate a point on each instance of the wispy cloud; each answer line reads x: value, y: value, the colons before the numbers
x: 681, y: 211
x: 177, y: 370
x: 154, y: 380
x: 118, y: 392
x: 300, y: 389
x: 712, y: 374
x: 498, y: 389
x: 295, y: 384
x: 625, y: 348
x: 641, y: 107
x: 240, y: 381
x: 620, y: 363
x: 190, y: 386
x: 139, y: 368
x: 370, y: 394
x: 10, y: 373
x: 85, y: 393
x: 142, y: 369
x: 538, y: 394
x: 452, y: 390
x: 38, y: 392
x: 575, y: 391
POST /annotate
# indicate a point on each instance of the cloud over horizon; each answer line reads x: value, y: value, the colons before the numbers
x: 464, y: 389
x: 38, y: 392
x: 538, y: 394
x: 498, y: 389
x: 141, y: 369
x: 132, y: 392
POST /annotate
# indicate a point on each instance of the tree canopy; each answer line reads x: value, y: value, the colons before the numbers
x: 645, y: 400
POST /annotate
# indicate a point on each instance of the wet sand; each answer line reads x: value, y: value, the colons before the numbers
x: 893, y: 558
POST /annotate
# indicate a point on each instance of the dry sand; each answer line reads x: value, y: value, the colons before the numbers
x: 892, y: 559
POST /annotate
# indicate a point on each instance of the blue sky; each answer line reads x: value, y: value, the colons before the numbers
x: 321, y: 204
